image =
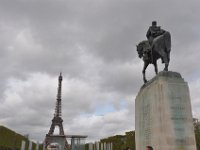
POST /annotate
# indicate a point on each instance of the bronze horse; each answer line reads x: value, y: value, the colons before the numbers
x: 160, y: 48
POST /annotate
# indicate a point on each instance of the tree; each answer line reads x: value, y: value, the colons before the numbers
x: 130, y: 139
x: 197, y: 132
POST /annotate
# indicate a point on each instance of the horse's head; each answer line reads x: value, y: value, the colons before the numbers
x: 140, y: 49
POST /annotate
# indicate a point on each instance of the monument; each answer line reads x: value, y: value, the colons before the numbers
x: 157, y: 46
x: 163, y: 112
x: 59, y: 139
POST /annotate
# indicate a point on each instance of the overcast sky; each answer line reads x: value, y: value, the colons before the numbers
x: 93, y: 43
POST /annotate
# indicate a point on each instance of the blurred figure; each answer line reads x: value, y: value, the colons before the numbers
x: 153, y: 32
x: 149, y: 148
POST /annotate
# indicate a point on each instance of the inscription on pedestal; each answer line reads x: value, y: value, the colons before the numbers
x: 147, y: 124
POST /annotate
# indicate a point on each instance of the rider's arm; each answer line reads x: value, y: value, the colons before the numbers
x: 148, y: 33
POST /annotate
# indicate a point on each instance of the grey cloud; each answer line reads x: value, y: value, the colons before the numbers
x: 93, y: 44
x: 121, y: 78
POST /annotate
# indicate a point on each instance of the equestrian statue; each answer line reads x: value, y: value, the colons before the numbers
x: 157, y: 46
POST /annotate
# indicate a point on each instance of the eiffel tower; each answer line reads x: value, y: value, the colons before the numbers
x: 57, y: 121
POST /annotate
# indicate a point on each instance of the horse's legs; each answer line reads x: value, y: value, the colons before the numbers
x: 166, y: 67
x: 166, y: 61
x: 168, y: 57
x: 155, y: 67
x: 143, y: 71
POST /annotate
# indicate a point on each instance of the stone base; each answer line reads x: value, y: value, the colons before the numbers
x: 163, y: 114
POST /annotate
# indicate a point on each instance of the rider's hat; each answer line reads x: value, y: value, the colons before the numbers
x: 154, y: 23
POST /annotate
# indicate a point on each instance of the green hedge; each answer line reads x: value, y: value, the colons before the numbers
x: 119, y: 142
x: 130, y: 139
x: 10, y: 140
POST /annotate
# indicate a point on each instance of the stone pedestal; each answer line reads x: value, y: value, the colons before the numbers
x: 23, y: 145
x: 30, y: 145
x: 163, y: 114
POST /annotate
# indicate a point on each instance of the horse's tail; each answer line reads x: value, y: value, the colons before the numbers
x: 167, y: 39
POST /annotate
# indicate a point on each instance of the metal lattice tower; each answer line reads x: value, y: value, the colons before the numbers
x: 57, y: 120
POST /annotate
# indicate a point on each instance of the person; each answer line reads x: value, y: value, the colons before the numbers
x: 149, y: 148
x: 128, y: 148
x: 153, y: 32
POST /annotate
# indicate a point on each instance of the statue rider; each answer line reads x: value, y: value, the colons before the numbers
x: 153, y: 32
